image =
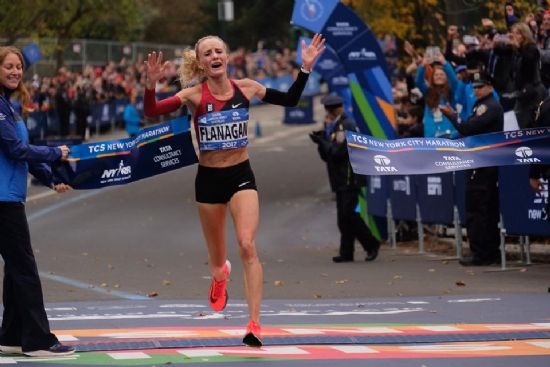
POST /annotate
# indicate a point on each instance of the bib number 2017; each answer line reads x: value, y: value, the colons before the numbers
x: 231, y: 144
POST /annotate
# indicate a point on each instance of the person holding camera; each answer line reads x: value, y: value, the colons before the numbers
x: 332, y: 147
x: 529, y: 89
x: 439, y: 90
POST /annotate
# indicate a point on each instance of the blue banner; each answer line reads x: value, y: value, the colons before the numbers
x: 312, y: 14
x: 372, y: 156
x: 302, y: 113
x: 377, y: 195
x: 526, y: 214
x: 435, y: 198
x: 31, y: 54
x: 359, y: 52
x: 154, y: 150
x: 402, y: 190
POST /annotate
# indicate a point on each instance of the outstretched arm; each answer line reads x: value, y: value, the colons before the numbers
x: 310, y: 53
x: 155, y: 70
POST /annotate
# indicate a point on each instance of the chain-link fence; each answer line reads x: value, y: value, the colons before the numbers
x: 81, y: 52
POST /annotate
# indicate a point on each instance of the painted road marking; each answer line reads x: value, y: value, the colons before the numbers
x: 197, y: 332
x: 66, y: 338
x: 129, y: 355
x: 541, y: 344
x: 439, y: 328
x: 450, y: 348
x: 150, y: 334
x: 354, y: 349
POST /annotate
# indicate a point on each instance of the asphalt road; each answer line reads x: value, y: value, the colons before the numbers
x: 144, y: 239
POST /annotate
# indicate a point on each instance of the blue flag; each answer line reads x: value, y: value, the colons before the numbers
x: 154, y: 150
x: 372, y: 156
x: 31, y: 54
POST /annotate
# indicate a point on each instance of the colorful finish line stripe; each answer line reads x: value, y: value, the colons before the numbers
x: 154, y: 150
x: 372, y: 156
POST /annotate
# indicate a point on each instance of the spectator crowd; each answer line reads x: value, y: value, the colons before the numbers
x: 517, y: 60
x: 72, y: 94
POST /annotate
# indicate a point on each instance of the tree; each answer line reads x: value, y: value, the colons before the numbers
x: 67, y: 19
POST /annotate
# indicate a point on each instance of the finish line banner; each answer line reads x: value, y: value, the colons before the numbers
x: 372, y: 156
x: 153, y: 151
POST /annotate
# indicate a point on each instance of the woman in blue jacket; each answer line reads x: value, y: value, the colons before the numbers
x: 439, y: 90
x: 25, y: 328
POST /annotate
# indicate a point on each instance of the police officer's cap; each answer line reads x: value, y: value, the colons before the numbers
x: 331, y: 101
x: 479, y: 79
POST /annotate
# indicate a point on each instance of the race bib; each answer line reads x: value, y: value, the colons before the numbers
x: 223, y: 129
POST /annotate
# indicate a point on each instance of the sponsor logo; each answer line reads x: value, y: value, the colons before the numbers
x: 435, y: 186
x: 340, y: 80
x: 2, y: 117
x: 360, y: 55
x: 119, y: 172
x: 383, y: 164
x: 209, y: 107
x: 453, y: 162
x: 403, y: 185
x: 244, y: 183
x: 236, y: 105
x: 327, y: 64
x: 525, y: 155
x: 312, y: 10
x: 541, y: 198
x: 375, y: 183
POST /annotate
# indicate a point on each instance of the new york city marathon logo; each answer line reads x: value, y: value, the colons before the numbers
x: 383, y: 164
x: 117, y: 174
x: 312, y: 10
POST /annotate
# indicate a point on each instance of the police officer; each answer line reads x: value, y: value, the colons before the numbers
x: 482, y: 201
x: 333, y: 150
x: 541, y: 171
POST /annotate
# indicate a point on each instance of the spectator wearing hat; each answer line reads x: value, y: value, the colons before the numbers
x: 482, y: 201
x: 332, y: 147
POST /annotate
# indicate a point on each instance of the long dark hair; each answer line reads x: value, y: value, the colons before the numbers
x: 435, y: 92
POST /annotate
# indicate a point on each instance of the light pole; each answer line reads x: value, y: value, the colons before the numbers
x: 225, y: 14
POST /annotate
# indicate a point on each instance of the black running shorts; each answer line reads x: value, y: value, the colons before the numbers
x: 215, y: 185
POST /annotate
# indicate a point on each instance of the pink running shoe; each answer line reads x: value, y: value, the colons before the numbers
x: 253, y: 335
x: 218, y: 292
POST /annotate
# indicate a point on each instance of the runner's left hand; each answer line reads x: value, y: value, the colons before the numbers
x: 312, y: 51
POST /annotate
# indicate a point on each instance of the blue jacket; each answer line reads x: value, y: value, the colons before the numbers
x: 18, y: 157
x: 131, y: 119
x: 438, y: 125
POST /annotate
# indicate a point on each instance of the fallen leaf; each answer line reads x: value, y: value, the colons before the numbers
x: 460, y: 283
x: 431, y: 270
x: 523, y: 270
x: 103, y: 285
x: 152, y: 294
x: 278, y: 283
x: 341, y: 281
x: 317, y: 296
x: 397, y: 277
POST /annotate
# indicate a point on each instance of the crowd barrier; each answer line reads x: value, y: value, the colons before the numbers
x: 440, y: 199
